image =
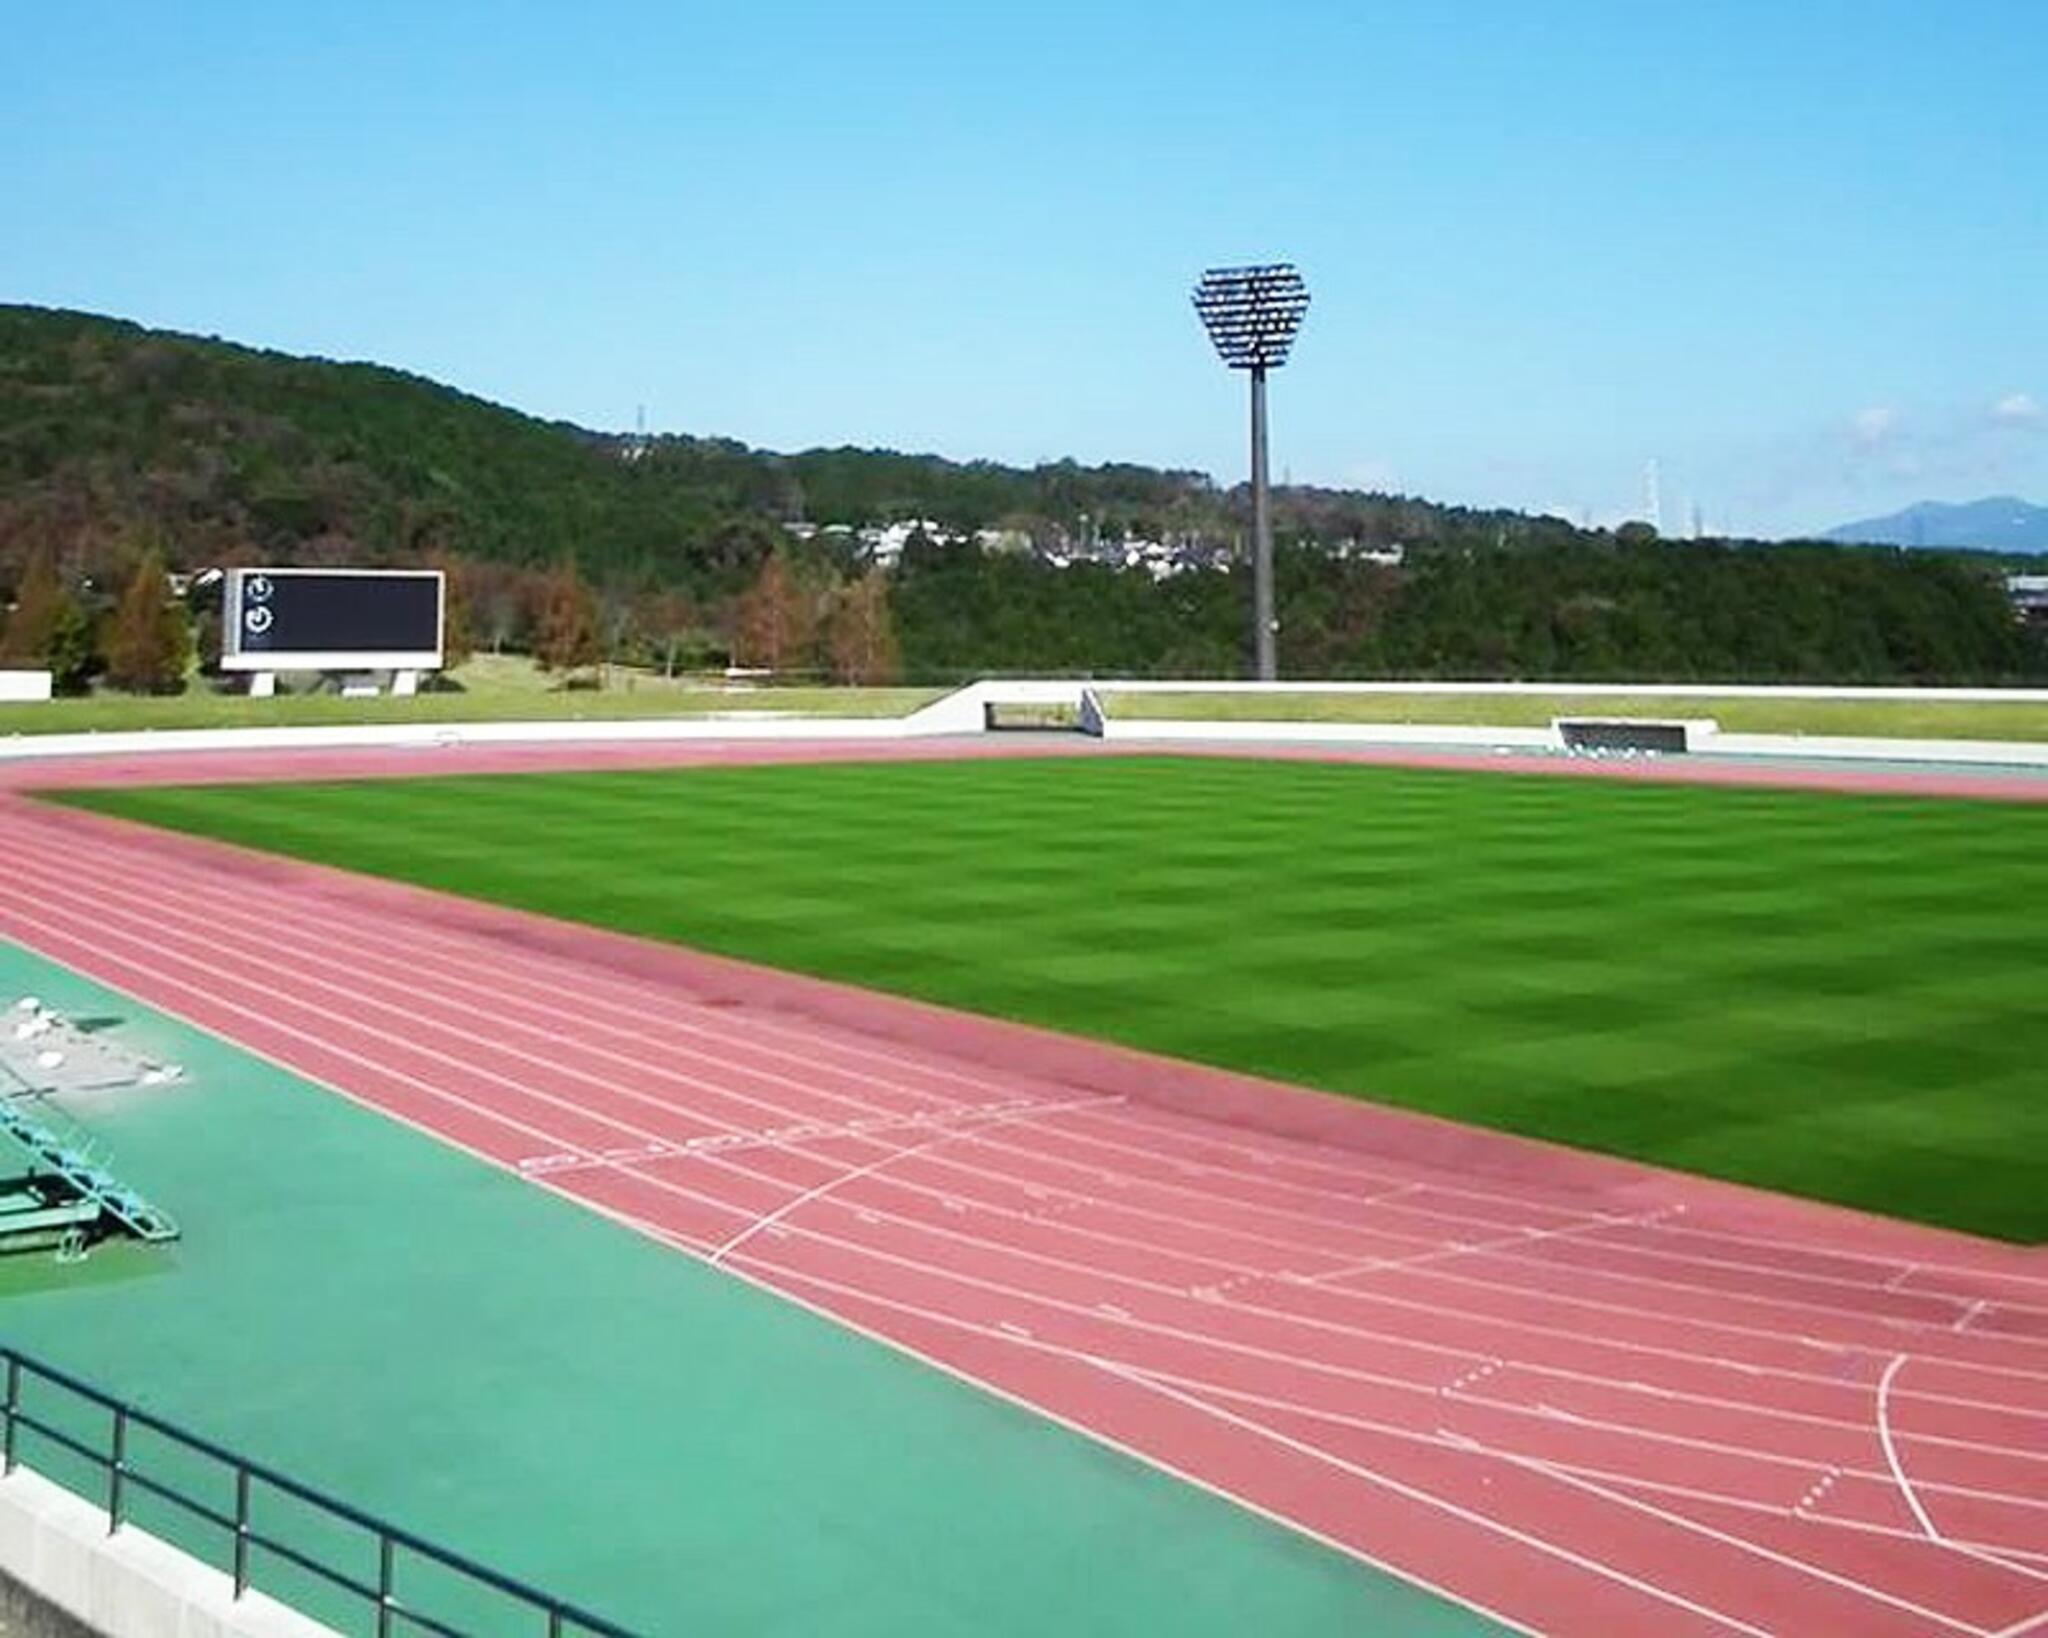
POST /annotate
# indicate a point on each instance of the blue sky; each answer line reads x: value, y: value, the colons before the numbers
x: 1795, y: 251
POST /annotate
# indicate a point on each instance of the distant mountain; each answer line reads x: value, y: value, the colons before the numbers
x: 2003, y: 523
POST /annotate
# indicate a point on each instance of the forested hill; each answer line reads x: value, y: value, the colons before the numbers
x: 109, y: 431
x: 118, y: 442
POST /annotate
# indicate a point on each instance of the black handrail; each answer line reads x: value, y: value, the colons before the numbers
x: 563, y: 1619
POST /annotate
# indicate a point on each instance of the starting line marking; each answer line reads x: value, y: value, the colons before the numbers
x: 792, y: 1136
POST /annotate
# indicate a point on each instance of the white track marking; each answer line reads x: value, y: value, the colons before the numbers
x: 800, y: 1135
x: 1757, y: 1549
x: 1965, y: 1271
x: 152, y: 875
x: 721, y: 1205
x: 1906, y: 1489
x: 2028, y: 1624
x: 1504, y: 1245
x: 1694, y: 1227
x: 724, y: 1206
x: 772, y: 1273
x: 1891, y: 1453
x: 1414, y: 1493
x: 1997, y: 1558
x: 133, y: 837
x: 1376, y: 1265
x: 671, y: 1237
x: 676, y: 1240
x: 818, y: 1193
x: 1664, y: 1224
x: 712, y: 1202
x: 1322, y: 1222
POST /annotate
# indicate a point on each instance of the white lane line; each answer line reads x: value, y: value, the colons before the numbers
x: 677, y: 1240
x: 797, y: 1135
x: 1523, y: 1237
x: 949, y: 1274
x: 773, y: 1272
x: 1891, y: 1454
x: 1506, y: 1243
x: 111, y: 838
x: 727, y: 1207
x: 668, y: 1108
x: 1415, y: 1493
x: 1963, y: 1319
x: 724, y: 1206
x: 154, y: 887
x: 830, y: 1184
x: 2037, y: 1622
x: 1999, y: 1558
x: 1694, y: 1526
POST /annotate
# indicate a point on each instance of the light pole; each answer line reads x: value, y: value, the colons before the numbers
x: 1252, y: 314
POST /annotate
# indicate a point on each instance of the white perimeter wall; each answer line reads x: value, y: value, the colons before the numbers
x: 18, y: 686
x: 962, y: 712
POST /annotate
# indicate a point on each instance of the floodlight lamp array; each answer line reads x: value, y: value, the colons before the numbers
x: 1252, y: 313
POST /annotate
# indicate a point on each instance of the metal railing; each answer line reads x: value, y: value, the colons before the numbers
x: 516, y: 1608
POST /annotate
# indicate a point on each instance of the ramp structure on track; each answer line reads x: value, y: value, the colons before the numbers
x: 57, y: 1188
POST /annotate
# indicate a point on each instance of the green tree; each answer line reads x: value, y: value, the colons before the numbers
x: 74, y: 657
x: 672, y: 624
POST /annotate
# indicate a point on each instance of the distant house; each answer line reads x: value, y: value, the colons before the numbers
x: 2029, y: 594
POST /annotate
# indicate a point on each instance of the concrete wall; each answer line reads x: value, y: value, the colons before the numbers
x: 1676, y: 691
x: 961, y: 712
x: 22, y: 1613
x: 17, y: 686
x: 128, y: 1585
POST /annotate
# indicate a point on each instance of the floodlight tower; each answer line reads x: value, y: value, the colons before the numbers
x: 1252, y: 314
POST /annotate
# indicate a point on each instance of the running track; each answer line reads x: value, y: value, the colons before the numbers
x: 1582, y: 1396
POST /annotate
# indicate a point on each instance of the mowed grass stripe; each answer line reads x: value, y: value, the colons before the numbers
x: 1840, y: 996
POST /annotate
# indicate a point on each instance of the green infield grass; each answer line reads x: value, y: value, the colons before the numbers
x: 1840, y: 996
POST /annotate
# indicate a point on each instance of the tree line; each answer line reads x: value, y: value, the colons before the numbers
x: 127, y: 453
x: 793, y: 620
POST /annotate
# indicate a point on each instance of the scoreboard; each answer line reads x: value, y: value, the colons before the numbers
x: 332, y: 619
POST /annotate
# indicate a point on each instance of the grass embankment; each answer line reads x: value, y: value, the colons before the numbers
x: 1837, y: 996
x: 492, y: 689
x: 1856, y: 719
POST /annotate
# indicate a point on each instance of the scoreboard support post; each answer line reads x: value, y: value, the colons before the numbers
x: 262, y: 684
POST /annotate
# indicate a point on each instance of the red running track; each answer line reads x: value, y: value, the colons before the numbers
x: 1582, y: 1396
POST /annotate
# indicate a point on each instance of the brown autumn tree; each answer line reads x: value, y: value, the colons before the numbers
x: 458, y: 623
x: 565, y: 626
x: 502, y: 600
x: 861, y: 636
x: 149, y: 643
x: 777, y: 627
x: 32, y: 626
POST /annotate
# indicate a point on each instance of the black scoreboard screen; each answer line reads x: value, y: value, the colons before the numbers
x: 331, y: 619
